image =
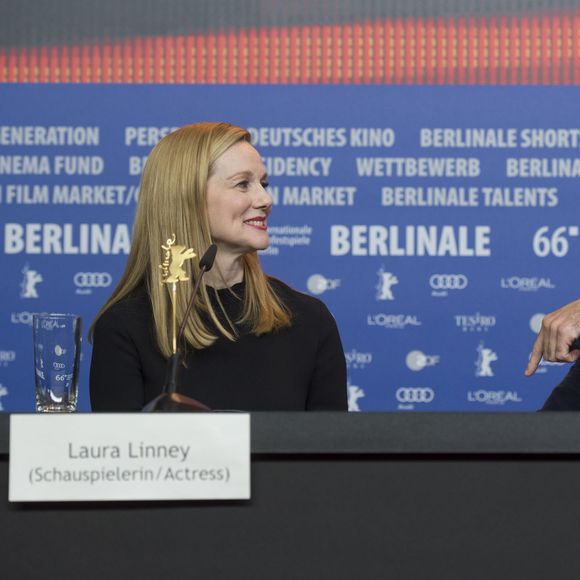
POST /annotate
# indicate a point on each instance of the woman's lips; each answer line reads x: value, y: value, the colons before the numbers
x: 259, y: 223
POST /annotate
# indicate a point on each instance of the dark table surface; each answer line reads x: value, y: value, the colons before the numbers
x: 404, y: 433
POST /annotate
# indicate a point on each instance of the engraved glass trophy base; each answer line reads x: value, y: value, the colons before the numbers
x: 55, y: 407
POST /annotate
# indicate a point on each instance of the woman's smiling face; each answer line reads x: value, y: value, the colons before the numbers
x: 238, y: 204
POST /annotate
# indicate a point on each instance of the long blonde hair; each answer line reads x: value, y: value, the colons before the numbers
x: 172, y: 200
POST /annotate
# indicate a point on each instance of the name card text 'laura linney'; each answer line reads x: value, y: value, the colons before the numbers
x: 92, y: 457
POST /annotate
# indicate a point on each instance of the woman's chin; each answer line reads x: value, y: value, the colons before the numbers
x: 261, y: 245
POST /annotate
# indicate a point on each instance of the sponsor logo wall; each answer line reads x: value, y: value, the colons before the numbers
x: 436, y: 223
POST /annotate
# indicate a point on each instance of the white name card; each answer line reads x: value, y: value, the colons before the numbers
x: 108, y: 457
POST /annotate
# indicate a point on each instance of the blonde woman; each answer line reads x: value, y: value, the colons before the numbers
x: 251, y: 342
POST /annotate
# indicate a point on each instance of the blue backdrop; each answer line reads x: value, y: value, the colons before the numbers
x: 437, y: 223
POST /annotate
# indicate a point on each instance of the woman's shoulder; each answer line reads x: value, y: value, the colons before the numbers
x: 129, y: 311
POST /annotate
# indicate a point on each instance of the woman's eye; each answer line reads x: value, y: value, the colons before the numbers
x: 265, y: 184
x: 243, y: 184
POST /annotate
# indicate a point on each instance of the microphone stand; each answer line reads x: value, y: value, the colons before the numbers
x: 170, y: 399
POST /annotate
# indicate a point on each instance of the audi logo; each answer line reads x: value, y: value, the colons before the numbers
x: 415, y: 394
x: 92, y: 279
x: 448, y: 281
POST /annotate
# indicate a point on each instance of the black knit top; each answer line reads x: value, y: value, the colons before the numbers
x: 297, y: 368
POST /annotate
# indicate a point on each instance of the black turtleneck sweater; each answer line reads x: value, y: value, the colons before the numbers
x: 295, y: 369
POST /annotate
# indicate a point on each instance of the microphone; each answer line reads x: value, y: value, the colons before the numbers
x: 170, y: 399
x: 205, y: 265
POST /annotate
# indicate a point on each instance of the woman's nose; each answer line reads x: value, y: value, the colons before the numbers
x: 263, y: 199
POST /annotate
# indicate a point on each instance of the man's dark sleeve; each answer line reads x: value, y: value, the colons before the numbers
x: 566, y: 396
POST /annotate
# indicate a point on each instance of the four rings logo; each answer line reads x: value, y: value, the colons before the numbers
x: 86, y: 281
x: 409, y: 396
x: 442, y: 283
x: 545, y: 364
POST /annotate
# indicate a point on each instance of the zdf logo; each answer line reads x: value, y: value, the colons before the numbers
x: 317, y: 284
x: 415, y: 394
x: 417, y: 360
x: 92, y: 279
x: 448, y: 281
x: 536, y: 322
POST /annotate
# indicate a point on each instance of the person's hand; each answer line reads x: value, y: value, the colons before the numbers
x: 556, y: 337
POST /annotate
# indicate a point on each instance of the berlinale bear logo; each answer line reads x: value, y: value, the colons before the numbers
x: 354, y: 394
x: 3, y: 393
x: 29, y: 281
x: 386, y: 281
x: 175, y: 256
x: 484, y: 359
